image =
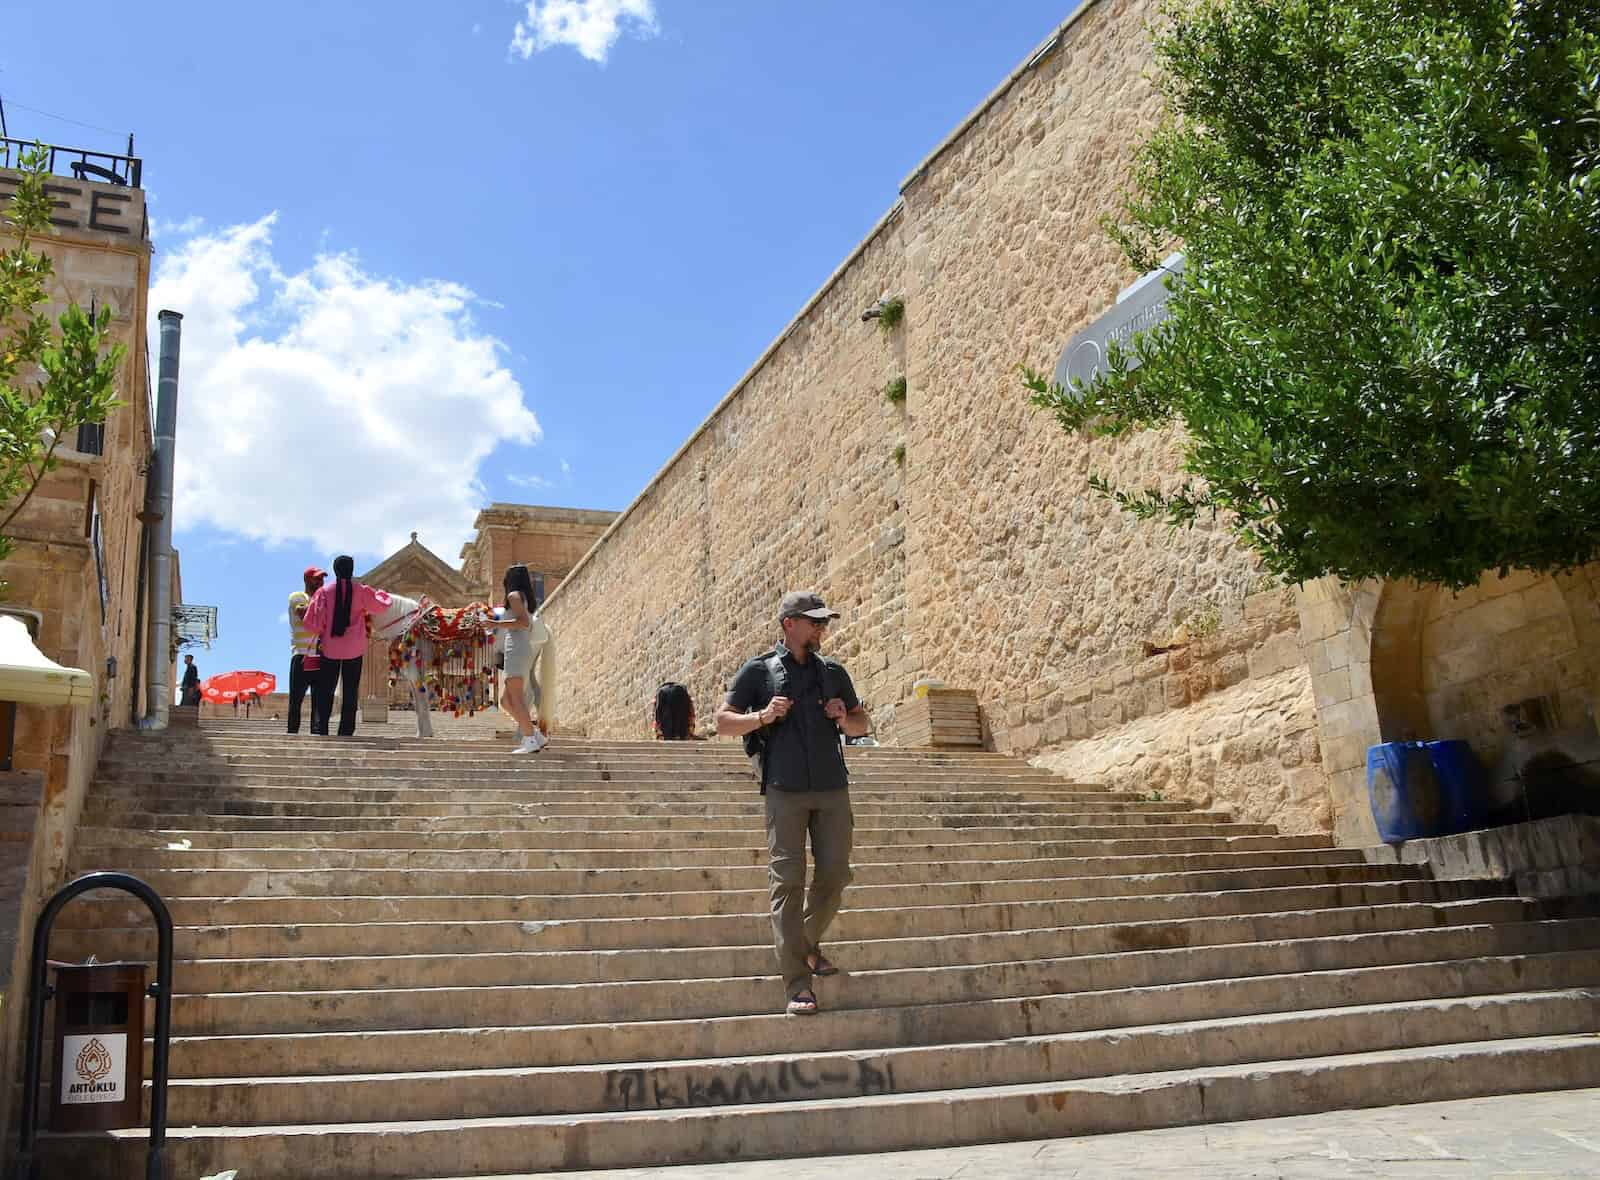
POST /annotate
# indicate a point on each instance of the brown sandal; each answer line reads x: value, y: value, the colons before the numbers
x: 803, y: 1003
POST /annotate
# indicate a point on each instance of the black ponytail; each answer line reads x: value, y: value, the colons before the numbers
x: 344, y: 593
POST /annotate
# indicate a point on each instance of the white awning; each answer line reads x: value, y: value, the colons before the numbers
x: 29, y: 677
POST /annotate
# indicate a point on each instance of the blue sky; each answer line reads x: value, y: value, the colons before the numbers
x: 436, y: 255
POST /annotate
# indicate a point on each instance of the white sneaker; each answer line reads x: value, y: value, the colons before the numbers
x: 527, y: 746
x: 539, y: 740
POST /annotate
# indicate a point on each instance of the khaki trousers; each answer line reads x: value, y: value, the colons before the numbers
x: 800, y: 920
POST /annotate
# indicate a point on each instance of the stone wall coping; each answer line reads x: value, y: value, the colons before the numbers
x: 514, y: 513
x: 1041, y: 51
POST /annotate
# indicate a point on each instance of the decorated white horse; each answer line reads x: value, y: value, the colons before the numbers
x: 428, y: 643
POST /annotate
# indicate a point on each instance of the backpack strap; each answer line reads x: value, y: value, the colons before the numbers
x: 777, y: 674
x: 755, y: 742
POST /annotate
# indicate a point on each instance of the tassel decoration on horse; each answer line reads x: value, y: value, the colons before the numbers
x: 434, y: 638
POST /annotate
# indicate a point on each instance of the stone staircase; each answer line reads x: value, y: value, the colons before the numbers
x: 404, y: 959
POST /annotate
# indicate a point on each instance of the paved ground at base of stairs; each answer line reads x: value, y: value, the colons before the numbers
x: 1550, y: 1136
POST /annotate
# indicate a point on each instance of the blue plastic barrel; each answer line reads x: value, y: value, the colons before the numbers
x: 1421, y: 789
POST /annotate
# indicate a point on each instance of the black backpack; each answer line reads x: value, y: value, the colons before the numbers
x: 673, y: 710
x: 755, y: 742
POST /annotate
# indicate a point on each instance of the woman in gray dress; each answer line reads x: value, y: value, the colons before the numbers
x: 516, y: 620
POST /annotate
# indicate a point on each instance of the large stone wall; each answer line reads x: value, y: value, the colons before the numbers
x: 793, y: 482
x: 1108, y: 649
x: 980, y: 558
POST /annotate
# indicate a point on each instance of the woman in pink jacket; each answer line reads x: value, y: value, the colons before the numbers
x: 338, y: 614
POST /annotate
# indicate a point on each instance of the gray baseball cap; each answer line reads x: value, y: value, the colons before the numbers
x: 804, y: 602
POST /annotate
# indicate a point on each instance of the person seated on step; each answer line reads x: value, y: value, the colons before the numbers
x: 672, y: 714
x: 790, y: 704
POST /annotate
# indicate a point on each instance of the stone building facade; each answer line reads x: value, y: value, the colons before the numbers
x: 76, y: 561
x: 78, y: 539
x: 414, y: 571
x: 957, y: 536
x: 549, y: 541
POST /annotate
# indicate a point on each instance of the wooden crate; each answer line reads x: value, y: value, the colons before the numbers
x: 945, y: 717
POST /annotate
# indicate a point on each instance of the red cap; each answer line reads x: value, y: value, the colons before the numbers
x: 314, y: 574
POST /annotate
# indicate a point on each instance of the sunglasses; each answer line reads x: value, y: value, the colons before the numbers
x: 813, y: 622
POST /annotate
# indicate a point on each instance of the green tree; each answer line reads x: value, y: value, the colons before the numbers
x: 53, y: 379
x: 1385, y: 347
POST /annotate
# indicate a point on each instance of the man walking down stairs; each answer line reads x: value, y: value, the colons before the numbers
x: 403, y: 960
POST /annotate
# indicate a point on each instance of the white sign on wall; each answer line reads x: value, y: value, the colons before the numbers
x: 94, y: 1068
x: 1138, y: 309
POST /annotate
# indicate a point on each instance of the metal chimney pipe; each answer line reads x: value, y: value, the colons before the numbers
x: 158, y: 512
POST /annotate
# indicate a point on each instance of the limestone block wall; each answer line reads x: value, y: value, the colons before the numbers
x: 1110, y: 650
x: 1227, y: 720
x: 1105, y: 646
x: 1023, y: 585
x: 1494, y: 645
x: 793, y: 483
x: 1101, y: 645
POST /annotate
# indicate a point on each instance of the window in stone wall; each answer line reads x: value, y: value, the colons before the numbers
x: 92, y: 438
x: 99, y: 559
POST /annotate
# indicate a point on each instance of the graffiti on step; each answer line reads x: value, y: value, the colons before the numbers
x: 673, y: 1089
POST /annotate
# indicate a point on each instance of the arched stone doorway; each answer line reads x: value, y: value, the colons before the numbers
x: 1511, y: 665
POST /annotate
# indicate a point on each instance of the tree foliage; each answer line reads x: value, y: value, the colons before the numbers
x: 53, y: 377
x: 1385, y: 348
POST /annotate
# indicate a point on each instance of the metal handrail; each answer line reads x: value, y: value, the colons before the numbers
x: 39, y: 991
x: 109, y: 167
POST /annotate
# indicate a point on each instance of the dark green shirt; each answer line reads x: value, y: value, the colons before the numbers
x: 802, y: 750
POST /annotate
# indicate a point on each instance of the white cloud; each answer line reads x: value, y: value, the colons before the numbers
x: 330, y: 404
x: 175, y: 229
x: 543, y: 482
x: 591, y: 27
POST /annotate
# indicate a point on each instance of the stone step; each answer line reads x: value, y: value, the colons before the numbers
x: 963, y: 1021
x: 460, y: 962
x: 1085, y: 826
x: 598, y: 791
x: 395, y: 1150
x: 501, y: 759
x: 691, y: 833
x: 498, y: 969
x: 424, y: 750
x: 595, y: 1003
x: 541, y: 877
x: 405, y: 932
x: 96, y: 846
x: 104, y: 806
x: 553, y: 768
x: 799, y: 1076
x: 232, y: 909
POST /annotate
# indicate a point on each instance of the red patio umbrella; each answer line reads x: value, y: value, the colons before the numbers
x: 226, y: 687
